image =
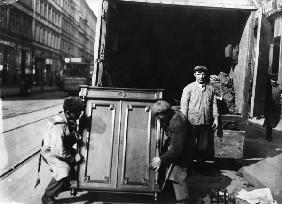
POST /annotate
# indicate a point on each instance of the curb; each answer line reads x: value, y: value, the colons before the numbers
x: 16, y: 93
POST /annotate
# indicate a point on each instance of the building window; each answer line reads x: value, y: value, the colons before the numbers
x: 56, y: 43
x: 38, y: 6
x: 48, y: 38
x: 17, y: 24
x: 42, y: 8
x: 41, y: 35
x: 49, y: 12
x: 37, y: 33
x: 59, y: 43
x: 45, y: 10
x: 44, y: 36
x: 55, y: 20
x: 53, y: 17
x: 59, y: 19
x: 3, y: 16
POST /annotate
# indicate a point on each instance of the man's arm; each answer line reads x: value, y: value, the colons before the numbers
x: 57, y: 144
x: 215, y: 111
x: 178, y: 136
x: 185, y: 99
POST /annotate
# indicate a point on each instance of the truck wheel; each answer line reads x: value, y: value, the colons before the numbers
x: 73, y: 192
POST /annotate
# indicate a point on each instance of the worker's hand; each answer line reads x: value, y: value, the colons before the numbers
x: 78, y: 158
x: 79, y: 142
x: 156, y: 163
x: 215, y: 124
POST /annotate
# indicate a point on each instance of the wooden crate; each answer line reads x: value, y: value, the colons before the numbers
x: 231, y: 145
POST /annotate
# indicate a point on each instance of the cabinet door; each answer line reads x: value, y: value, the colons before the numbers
x: 100, y: 151
x: 137, y: 147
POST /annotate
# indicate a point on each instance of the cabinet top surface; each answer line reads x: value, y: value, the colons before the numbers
x: 122, y: 89
x: 120, y: 93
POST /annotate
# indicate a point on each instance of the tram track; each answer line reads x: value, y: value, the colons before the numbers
x: 18, y: 165
x: 23, y: 132
x: 11, y: 123
x: 19, y: 114
x: 27, y: 124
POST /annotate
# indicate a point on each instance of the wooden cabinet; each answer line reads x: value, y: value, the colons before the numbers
x: 119, y: 140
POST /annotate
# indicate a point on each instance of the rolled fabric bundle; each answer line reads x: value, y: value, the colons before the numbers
x: 228, y: 50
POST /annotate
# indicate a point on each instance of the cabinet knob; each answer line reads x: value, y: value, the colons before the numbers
x: 122, y: 93
x: 121, y: 142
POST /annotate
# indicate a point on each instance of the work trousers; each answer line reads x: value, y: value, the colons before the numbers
x: 54, y: 187
x: 204, y: 138
x: 181, y: 191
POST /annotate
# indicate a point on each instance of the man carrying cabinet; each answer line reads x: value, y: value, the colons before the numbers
x: 57, y: 150
x: 180, y: 150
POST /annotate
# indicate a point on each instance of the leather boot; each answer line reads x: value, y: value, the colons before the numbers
x: 48, y: 200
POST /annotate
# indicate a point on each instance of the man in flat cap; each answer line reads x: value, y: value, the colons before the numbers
x: 57, y: 150
x: 180, y: 151
x: 199, y: 105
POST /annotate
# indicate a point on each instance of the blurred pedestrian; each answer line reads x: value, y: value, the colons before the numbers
x: 180, y: 150
x: 272, y: 107
x: 25, y: 85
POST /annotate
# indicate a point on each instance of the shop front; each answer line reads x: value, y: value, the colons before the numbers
x: 15, y: 62
x: 46, y: 68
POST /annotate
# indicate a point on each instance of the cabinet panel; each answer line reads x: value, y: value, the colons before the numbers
x: 102, y: 155
x: 136, y: 141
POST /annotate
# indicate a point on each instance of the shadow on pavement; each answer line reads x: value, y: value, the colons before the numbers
x: 204, y: 182
x: 257, y: 147
x: 91, y: 197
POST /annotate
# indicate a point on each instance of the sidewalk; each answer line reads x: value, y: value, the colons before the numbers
x: 262, y: 165
x: 14, y: 91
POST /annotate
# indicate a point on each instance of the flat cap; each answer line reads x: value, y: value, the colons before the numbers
x: 201, y: 69
x: 73, y: 104
x: 159, y: 107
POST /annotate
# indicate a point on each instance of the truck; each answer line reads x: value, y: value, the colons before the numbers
x: 146, y: 50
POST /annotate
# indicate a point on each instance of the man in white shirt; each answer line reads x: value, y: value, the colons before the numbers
x: 199, y: 105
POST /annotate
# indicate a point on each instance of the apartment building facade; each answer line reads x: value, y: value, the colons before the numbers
x: 36, y: 36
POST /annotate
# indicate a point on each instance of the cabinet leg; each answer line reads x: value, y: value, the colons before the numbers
x: 155, y: 196
x: 73, y: 192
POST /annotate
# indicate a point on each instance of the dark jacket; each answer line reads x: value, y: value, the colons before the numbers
x: 272, y: 106
x: 181, y: 141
